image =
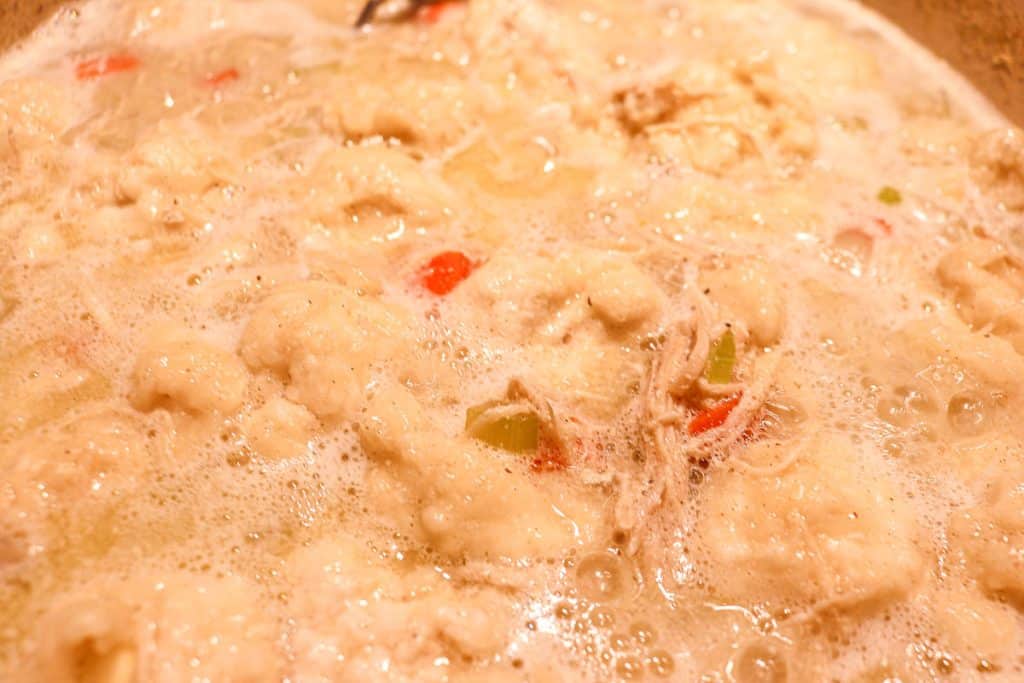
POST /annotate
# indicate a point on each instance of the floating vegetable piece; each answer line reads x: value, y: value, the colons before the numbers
x: 434, y: 12
x: 712, y: 417
x: 445, y: 271
x: 890, y: 195
x: 722, y: 359
x: 215, y: 80
x: 412, y: 7
x: 102, y: 66
x: 508, y: 427
x: 550, y: 458
x: 883, y: 225
x: 473, y: 413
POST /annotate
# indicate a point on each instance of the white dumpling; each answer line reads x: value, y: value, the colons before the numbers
x: 323, y: 338
x: 998, y: 163
x: 182, y: 371
x: 828, y: 531
x: 158, y: 627
x: 367, y: 619
x: 33, y: 113
x: 991, y: 535
x: 466, y: 500
x: 172, y: 173
x: 751, y: 294
x: 988, y: 286
x: 541, y: 298
x: 280, y: 429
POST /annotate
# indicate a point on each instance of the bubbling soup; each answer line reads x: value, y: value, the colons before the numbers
x: 506, y: 340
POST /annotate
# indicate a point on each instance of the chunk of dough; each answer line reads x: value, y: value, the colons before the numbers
x: 992, y: 536
x: 467, y: 500
x: 280, y: 429
x: 32, y: 114
x: 169, y: 173
x: 189, y: 374
x: 160, y: 628
x: 976, y: 626
x: 98, y: 450
x: 323, y: 338
x: 86, y: 458
x: 998, y: 163
x: 572, y: 318
x: 948, y: 348
x: 988, y: 286
x: 370, y: 183
x: 422, y: 103
x: 365, y: 619
x: 829, y: 531
x: 750, y: 294
x: 714, y: 118
x: 548, y: 295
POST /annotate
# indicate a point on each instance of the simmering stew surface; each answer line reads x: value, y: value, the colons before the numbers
x: 509, y: 340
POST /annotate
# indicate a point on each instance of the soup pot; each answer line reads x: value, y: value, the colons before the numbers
x: 983, y: 39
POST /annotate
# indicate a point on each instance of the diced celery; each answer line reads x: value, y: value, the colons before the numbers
x: 722, y: 359
x: 474, y: 412
x: 890, y: 195
x: 517, y: 433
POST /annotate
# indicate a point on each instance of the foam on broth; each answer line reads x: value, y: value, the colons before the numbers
x: 151, y: 204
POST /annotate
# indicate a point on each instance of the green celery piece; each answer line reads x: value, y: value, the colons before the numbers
x: 890, y: 195
x: 473, y: 412
x: 514, y: 433
x: 722, y: 359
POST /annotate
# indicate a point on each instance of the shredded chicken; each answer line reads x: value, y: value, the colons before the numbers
x: 673, y: 372
x: 549, y: 428
x: 677, y: 376
x: 739, y: 463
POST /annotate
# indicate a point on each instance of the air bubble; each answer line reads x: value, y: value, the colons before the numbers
x: 642, y: 633
x: 760, y: 664
x: 630, y: 668
x: 966, y: 414
x: 619, y: 642
x: 602, y: 618
x: 602, y: 576
x: 661, y: 663
x: 945, y: 664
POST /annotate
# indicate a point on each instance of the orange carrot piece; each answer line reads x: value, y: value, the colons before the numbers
x: 224, y: 77
x: 445, y: 271
x: 103, y: 66
x: 712, y: 417
x: 549, y: 458
x: 434, y: 12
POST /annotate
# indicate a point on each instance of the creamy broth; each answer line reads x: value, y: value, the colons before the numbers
x: 511, y: 340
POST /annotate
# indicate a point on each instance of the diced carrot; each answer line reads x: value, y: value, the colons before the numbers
x: 224, y: 77
x: 712, y: 417
x: 445, y: 271
x: 589, y: 452
x: 549, y: 458
x: 885, y: 225
x: 433, y: 12
x: 102, y: 66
